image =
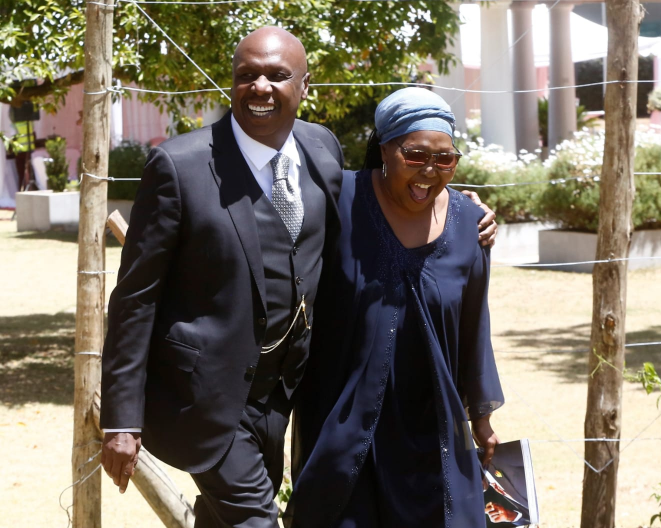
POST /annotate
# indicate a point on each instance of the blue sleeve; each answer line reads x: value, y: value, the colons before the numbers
x: 478, y: 384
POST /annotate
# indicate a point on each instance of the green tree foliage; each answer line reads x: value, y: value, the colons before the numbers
x: 347, y: 42
x: 57, y: 169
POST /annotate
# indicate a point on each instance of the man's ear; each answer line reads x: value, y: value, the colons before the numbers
x: 306, y: 86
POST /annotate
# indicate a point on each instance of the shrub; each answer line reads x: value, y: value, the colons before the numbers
x: 491, y: 165
x: 583, y: 120
x: 125, y: 161
x: 654, y: 101
x: 574, y: 205
x: 57, y: 169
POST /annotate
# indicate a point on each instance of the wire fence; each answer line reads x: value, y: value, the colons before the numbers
x: 557, y: 437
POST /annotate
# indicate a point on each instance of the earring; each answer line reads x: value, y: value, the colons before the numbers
x: 384, y: 171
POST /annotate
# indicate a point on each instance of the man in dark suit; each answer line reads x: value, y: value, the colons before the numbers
x: 208, y: 327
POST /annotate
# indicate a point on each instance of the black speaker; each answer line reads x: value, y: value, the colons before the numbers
x: 26, y: 112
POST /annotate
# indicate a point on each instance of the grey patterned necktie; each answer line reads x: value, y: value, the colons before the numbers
x: 288, y: 204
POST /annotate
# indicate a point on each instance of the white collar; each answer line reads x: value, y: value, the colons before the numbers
x: 258, y: 153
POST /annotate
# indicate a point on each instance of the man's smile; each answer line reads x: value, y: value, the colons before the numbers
x: 261, y: 110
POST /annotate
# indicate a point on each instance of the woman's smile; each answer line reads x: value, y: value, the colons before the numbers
x: 419, y: 191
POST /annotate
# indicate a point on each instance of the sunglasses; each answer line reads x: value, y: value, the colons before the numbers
x: 419, y: 158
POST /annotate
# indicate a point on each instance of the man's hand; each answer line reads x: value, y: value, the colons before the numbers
x: 487, y: 226
x: 498, y: 513
x: 119, y: 456
x: 485, y: 437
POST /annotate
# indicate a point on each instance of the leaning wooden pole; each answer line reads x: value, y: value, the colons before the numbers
x: 604, y: 407
x: 91, y: 261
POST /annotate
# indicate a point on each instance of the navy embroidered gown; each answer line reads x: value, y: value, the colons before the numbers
x: 401, y: 352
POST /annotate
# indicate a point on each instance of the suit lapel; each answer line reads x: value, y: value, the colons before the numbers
x: 231, y: 172
x: 320, y: 162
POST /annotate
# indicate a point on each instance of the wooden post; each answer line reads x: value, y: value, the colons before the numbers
x: 604, y: 409
x: 91, y: 260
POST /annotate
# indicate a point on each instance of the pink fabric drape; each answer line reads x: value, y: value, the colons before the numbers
x: 142, y: 121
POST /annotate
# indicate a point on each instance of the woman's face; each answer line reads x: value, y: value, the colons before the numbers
x: 415, y: 189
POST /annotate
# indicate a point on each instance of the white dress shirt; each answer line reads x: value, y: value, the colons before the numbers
x: 258, y: 157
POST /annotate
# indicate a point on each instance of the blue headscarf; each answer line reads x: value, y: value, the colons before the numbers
x: 412, y: 109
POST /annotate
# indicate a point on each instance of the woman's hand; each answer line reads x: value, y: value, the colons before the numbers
x: 487, y: 226
x: 485, y: 437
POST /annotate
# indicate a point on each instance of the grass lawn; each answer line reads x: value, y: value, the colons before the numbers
x: 541, y: 329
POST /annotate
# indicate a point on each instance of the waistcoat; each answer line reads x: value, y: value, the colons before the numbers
x: 291, y: 270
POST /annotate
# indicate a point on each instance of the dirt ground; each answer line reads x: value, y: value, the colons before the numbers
x: 541, y: 326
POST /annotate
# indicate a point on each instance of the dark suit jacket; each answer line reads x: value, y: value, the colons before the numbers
x: 184, y: 332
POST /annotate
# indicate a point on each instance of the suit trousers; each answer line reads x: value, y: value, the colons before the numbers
x: 239, y: 490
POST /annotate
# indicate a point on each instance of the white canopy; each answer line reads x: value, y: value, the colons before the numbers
x: 589, y: 40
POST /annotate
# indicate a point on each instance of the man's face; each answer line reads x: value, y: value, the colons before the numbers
x: 269, y: 80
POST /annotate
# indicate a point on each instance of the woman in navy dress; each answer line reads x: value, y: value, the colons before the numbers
x: 401, y: 357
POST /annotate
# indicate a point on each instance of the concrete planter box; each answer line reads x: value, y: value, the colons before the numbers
x: 49, y: 211
x: 123, y: 206
x: 46, y: 211
x: 518, y: 243
x: 557, y: 246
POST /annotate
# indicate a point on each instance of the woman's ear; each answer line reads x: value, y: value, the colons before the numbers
x: 383, y: 151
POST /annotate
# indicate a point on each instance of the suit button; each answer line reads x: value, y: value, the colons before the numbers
x: 261, y: 321
x: 298, y: 280
x: 295, y: 250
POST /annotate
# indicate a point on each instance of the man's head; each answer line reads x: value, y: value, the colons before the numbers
x: 269, y: 79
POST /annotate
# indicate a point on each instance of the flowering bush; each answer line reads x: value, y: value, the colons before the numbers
x: 574, y: 204
x: 654, y: 101
x: 490, y: 165
x: 574, y: 168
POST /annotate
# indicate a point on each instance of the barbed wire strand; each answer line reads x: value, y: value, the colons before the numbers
x: 118, y: 90
x: 144, y: 13
x: 560, y: 264
x: 79, y: 482
x: 596, y: 178
x: 191, y: 2
x: 573, y: 350
x: 542, y: 441
x: 651, y: 343
x: 559, y: 181
x: 105, y: 178
x: 548, y: 425
x: 564, y: 441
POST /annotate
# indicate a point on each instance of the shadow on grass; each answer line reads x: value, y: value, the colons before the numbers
x: 36, y: 359
x: 564, y: 351
x: 63, y: 236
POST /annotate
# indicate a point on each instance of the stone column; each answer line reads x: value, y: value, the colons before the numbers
x: 496, y: 74
x: 525, y: 78
x: 453, y: 79
x: 562, y: 103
